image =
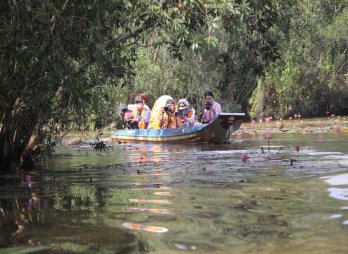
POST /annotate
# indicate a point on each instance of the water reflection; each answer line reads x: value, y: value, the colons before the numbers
x: 152, y: 210
x: 153, y: 201
x: 170, y: 199
x: 182, y: 246
x: 335, y: 216
x: 152, y: 229
x: 165, y: 193
x: 341, y: 179
x: 338, y: 193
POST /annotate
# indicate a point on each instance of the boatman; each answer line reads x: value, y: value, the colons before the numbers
x: 212, y: 109
x: 141, y: 114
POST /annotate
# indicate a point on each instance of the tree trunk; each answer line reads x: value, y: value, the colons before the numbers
x: 19, y: 138
x: 26, y: 158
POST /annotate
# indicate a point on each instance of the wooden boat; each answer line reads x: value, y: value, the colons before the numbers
x: 216, y: 132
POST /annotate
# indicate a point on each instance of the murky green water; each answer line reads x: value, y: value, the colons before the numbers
x: 184, y: 198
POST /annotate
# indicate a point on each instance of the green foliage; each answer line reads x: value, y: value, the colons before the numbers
x: 64, y: 60
x: 311, y: 75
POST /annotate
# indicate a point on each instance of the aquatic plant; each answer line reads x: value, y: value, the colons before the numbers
x: 28, y: 181
x: 244, y: 158
x: 268, y: 119
x: 99, y: 146
x: 280, y: 124
x: 268, y: 136
x: 298, y: 148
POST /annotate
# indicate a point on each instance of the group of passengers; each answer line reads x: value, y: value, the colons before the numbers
x: 172, y: 115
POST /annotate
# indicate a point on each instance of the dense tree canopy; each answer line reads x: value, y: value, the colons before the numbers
x: 73, y: 62
x: 57, y: 55
x: 310, y: 76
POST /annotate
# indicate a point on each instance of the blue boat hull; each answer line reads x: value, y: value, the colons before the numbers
x: 217, y: 132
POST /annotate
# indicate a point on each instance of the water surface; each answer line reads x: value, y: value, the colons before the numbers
x: 138, y: 198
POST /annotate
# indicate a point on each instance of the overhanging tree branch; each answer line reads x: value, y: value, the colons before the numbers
x: 84, y: 65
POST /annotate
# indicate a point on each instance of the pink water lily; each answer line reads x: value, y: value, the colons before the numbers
x: 337, y: 129
x: 245, y: 157
x: 28, y: 181
x: 298, y: 148
x: 268, y: 136
x: 30, y: 205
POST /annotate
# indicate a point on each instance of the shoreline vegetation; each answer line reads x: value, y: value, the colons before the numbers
x: 335, y: 124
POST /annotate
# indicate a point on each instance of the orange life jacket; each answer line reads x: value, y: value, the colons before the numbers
x: 181, y: 122
x: 141, y: 123
x: 170, y: 121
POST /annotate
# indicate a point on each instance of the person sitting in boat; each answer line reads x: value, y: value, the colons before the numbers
x: 168, y: 119
x: 126, y: 116
x: 185, y: 114
x: 212, y: 109
x: 141, y: 114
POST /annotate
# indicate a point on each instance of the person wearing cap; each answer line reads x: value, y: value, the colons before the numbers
x: 212, y: 109
x: 145, y: 98
x: 185, y: 113
x: 141, y: 114
x: 168, y: 119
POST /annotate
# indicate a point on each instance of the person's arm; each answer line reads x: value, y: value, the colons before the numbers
x: 147, y: 116
x: 161, y: 120
x: 212, y: 115
x: 204, y: 116
x: 217, y: 109
x: 192, y: 118
x: 135, y: 119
